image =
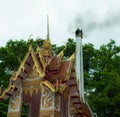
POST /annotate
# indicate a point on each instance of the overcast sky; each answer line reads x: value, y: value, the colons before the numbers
x: 99, y: 19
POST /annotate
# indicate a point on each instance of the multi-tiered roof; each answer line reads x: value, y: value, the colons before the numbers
x: 42, y: 67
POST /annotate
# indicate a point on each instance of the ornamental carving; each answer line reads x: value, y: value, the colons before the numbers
x: 32, y: 73
x: 15, y: 102
x: 47, y: 98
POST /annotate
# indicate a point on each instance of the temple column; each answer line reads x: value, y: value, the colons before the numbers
x: 15, y: 103
x: 34, y: 105
x: 50, y: 103
x: 30, y: 109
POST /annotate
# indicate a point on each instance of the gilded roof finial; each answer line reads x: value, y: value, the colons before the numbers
x: 47, y: 46
x: 48, y: 27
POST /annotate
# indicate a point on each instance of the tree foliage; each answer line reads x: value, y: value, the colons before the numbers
x: 105, y: 81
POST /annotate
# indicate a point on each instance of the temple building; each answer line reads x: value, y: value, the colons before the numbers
x: 47, y: 84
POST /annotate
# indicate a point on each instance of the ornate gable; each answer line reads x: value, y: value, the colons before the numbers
x: 31, y: 70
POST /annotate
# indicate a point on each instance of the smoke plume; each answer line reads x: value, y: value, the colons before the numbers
x: 90, y: 22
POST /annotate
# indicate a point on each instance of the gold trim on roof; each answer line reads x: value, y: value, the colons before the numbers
x: 11, y: 87
x: 36, y: 64
x: 57, y: 88
x: 21, y: 67
x: 71, y: 59
x: 48, y: 84
x: 30, y: 48
x: 61, y: 54
x: 69, y: 71
x: 42, y: 60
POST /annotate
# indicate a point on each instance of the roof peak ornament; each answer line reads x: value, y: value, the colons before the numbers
x: 47, y: 46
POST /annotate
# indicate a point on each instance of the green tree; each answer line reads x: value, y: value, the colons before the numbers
x: 105, y: 81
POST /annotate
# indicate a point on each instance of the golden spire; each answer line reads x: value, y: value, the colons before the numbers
x: 48, y: 27
x: 47, y: 46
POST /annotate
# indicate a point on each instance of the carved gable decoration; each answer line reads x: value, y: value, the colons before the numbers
x: 32, y: 73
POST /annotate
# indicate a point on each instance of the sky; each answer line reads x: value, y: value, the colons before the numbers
x: 99, y: 19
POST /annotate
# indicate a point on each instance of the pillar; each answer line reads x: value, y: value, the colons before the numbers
x: 50, y: 103
x: 15, y: 103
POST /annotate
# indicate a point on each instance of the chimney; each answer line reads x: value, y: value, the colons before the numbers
x: 79, y: 62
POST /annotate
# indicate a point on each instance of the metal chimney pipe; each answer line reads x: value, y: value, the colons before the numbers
x: 79, y: 62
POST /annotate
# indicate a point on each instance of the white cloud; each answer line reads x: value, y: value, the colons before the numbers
x: 20, y: 18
